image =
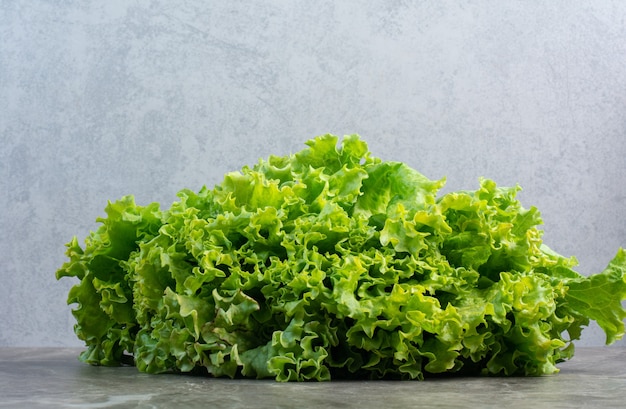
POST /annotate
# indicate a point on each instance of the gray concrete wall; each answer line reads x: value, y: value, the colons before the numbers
x: 102, y: 99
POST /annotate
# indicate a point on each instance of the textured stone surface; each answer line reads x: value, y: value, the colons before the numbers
x: 103, y: 99
x: 53, y: 378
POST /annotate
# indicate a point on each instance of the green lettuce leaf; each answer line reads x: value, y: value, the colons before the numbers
x: 599, y: 297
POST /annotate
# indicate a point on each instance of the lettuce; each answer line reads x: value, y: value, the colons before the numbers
x: 331, y: 263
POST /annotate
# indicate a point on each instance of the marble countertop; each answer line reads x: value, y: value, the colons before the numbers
x: 54, y: 378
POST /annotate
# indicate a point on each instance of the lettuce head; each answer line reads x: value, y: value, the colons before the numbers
x: 331, y: 263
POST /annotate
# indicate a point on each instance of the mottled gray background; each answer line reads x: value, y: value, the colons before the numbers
x: 102, y: 99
